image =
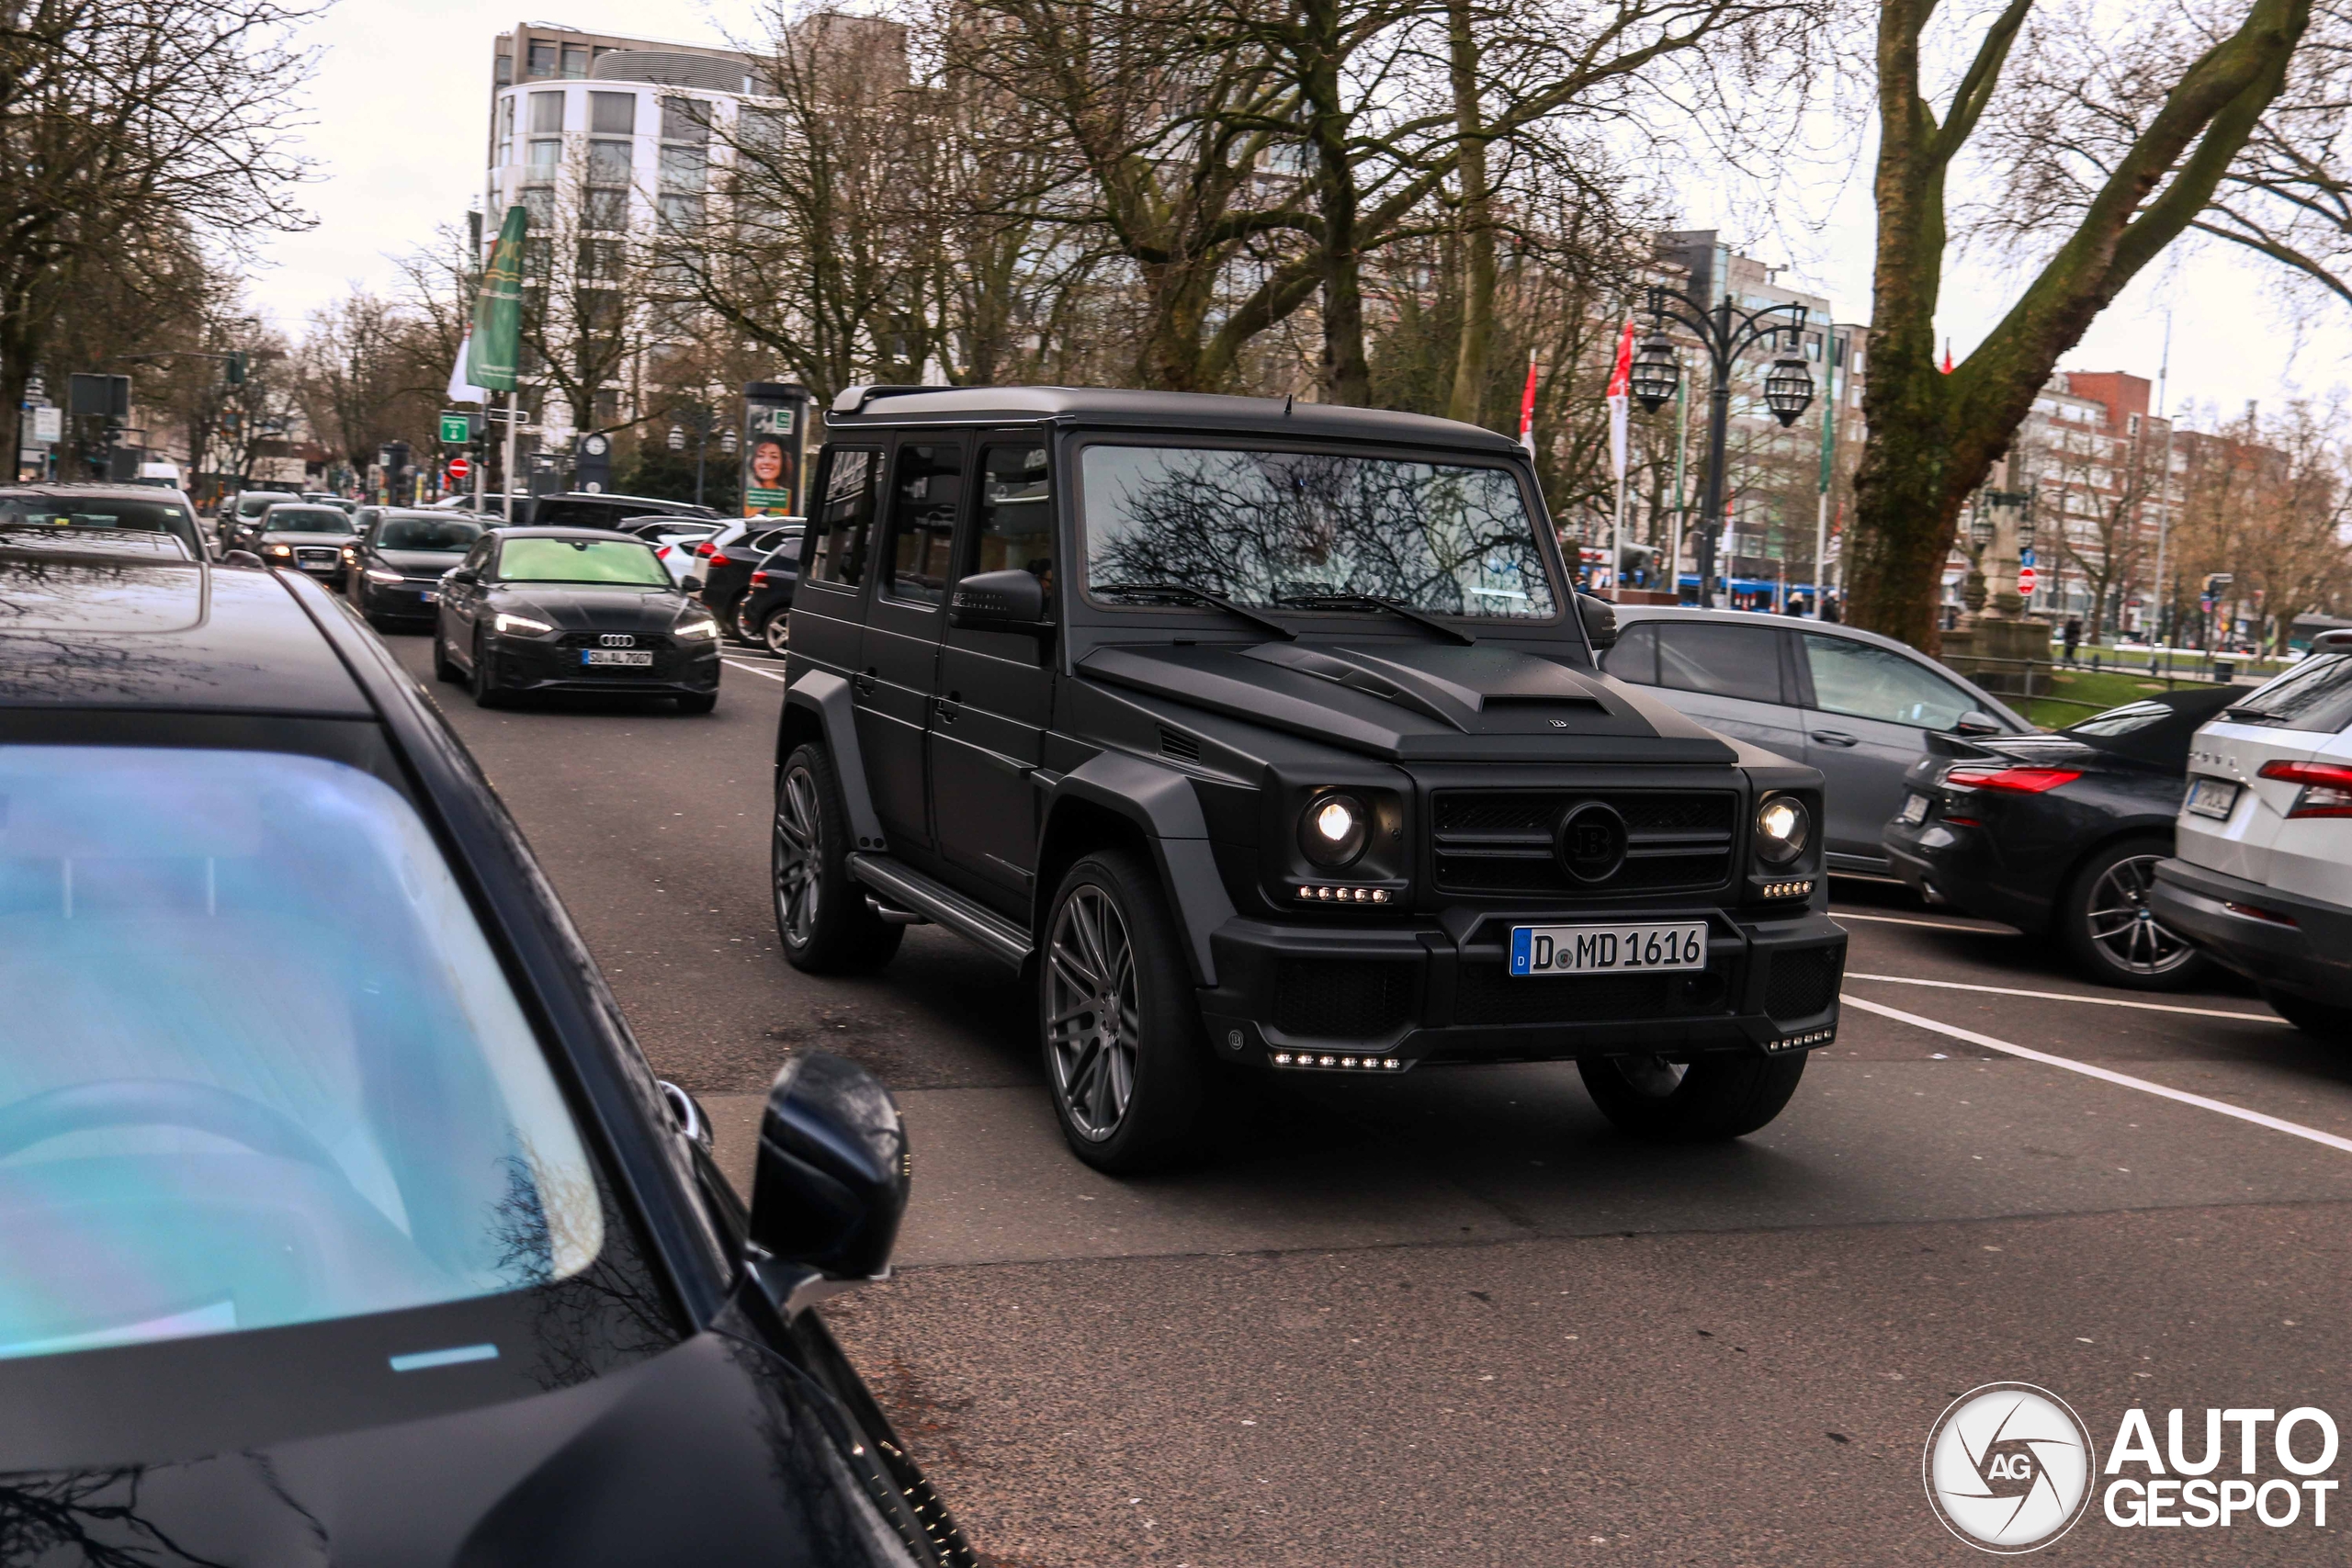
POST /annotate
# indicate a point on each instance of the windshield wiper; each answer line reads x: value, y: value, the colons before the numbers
x: 1376, y: 601
x: 1198, y: 597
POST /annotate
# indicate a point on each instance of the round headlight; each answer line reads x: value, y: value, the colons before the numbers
x: 1782, y: 826
x: 1334, y: 830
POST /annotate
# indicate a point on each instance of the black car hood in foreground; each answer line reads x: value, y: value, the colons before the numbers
x: 419, y: 563
x: 1416, y: 700
x: 592, y: 607
x: 704, y: 1454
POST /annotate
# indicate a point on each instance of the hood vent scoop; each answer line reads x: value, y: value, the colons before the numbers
x: 1176, y: 744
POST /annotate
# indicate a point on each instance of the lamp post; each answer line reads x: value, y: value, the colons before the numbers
x: 702, y: 419
x: 1723, y: 331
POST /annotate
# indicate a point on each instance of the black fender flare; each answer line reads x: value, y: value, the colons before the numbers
x: 1160, y: 803
x: 826, y: 696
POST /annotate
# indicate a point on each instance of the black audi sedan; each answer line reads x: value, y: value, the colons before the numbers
x: 307, y: 535
x: 381, y: 1244
x: 572, y: 610
x: 2061, y: 833
x: 397, y: 562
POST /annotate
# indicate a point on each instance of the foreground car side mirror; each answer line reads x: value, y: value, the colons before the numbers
x: 241, y: 558
x: 460, y: 574
x: 1974, y: 722
x: 1599, y: 617
x: 830, y: 1183
x: 1008, y: 601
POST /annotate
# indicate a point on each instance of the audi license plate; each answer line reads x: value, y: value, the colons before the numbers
x: 1607, y: 950
x: 2213, y: 798
x: 429, y: 595
x: 616, y: 656
x: 1914, y: 812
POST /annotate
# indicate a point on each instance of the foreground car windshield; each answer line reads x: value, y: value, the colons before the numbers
x: 441, y: 534
x: 306, y: 520
x: 582, y: 560
x: 262, y: 1067
x: 1271, y: 527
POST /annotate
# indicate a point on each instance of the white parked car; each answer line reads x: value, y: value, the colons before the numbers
x: 2263, y: 878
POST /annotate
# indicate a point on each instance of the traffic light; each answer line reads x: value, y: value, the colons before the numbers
x: 234, y: 368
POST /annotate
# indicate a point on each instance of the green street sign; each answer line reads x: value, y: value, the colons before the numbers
x: 457, y: 429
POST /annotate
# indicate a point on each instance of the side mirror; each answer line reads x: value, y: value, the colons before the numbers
x: 1009, y: 601
x: 1599, y: 617
x: 460, y: 574
x: 829, y: 1186
x: 1974, y: 722
x: 240, y: 557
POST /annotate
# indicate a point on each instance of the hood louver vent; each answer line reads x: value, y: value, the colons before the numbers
x: 1183, y: 748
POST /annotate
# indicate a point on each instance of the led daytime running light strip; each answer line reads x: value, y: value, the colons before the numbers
x: 1810, y: 1037
x: 1788, y: 889
x: 1329, y: 893
x: 1337, y: 1060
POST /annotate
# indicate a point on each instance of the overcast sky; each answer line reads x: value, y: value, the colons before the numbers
x: 401, y: 100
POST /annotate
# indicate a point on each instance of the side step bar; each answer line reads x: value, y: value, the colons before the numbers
x: 912, y: 890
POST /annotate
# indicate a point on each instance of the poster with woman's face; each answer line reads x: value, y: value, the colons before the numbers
x: 771, y: 458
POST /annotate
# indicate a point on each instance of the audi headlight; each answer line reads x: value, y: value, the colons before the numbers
x: 1782, y: 828
x: 521, y: 626
x: 1333, y: 829
x: 703, y: 628
x: 278, y: 550
x: 389, y: 579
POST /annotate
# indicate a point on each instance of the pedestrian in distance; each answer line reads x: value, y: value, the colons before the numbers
x: 2074, y: 635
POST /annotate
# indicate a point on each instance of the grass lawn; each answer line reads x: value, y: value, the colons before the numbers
x: 2083, y: 693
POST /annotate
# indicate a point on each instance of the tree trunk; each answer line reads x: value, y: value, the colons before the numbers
x: 1347, y: 366
x: 1475, y: 224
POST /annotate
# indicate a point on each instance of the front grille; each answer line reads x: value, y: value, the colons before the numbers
x: 643, y: 642
x: 1802, y: 983
x: 1342, y: 998
x: 1484, y: 993
x: 1501, y: 841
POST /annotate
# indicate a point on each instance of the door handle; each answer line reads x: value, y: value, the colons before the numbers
x: 864, y: 684
x: 950, y: 707
x: 1835, y: 737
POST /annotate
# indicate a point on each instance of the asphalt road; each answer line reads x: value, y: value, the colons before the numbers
x: 1453, y: 1318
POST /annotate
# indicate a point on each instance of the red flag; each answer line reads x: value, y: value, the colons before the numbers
x: 1946, y: 356
x: 1527, y: 408
x: 1621, y: 381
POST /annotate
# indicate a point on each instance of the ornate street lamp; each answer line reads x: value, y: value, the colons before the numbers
x: 1658, y: 374
x: 1788, y: 387
x: 1980, y: 522
x: 677, y: 438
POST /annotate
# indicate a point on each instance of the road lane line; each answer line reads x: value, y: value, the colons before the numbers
x: 739, y: 664
x: 2293, y: 1129
x: 1924, y: 925
x: 2069, y: 997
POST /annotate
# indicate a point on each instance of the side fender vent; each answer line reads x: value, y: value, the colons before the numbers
x: 1181, y: 747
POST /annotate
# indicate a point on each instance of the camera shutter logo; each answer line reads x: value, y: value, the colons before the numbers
x: 2009, y: 1467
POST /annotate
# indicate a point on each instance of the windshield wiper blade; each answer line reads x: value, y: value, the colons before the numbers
x: 1377, y: 601
x: 1198, y: 596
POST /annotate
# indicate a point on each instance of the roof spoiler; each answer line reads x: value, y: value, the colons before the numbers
x: 853, y: 399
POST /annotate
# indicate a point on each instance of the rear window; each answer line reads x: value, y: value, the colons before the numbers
x: 582, y: 560
x: 262, y: 1068
x: 2314, y: 694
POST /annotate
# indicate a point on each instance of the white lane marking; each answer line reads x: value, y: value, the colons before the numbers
x: 1928, y: 925
x: 2069, y: 997
x: 2294, y: 1129
x: 755, y: 669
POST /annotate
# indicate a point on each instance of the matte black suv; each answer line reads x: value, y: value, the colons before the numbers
x: 1271, y: 738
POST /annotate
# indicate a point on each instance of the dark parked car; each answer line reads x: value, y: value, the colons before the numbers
x: 573, y: 609
x: 764, y: 614
x: 726, y: 571
x: 303, y: 535
x: 136, y: 508
x: 2060, y: 834
x: 393, y: 1194
x: 398, y: 560
x: 1268, y: 738
x: 233, y: 515
x: 597, y: 508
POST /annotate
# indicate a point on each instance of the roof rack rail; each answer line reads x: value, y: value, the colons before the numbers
x: 853, y: 399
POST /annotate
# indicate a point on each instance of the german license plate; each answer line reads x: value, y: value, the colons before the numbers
x: 613, y: 656
x: 1606, y: 950
x: 1914, y: 812
x: 430, y: 594
x: 2213, y: 798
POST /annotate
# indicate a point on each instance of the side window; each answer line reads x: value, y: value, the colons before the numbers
x: 1876, y: 682
x: 843, y: 527
x: 1013, y: 527
x: 1634, y: 657
x: 1720, y: 660
x: 923, y: 494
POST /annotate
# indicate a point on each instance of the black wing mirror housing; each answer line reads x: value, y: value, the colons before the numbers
x: 1008, y: 601
x: 1599, y: 617
x: 460, y: 574
x: 829, y: 1186
x: 241, y: 558
x: 1976, y: 722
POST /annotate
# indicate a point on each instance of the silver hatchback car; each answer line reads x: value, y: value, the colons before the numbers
x: 1853, y: 704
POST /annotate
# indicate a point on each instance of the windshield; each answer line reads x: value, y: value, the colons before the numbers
x: 582, y: 560
x: 2314, y: 694
x: 262, y: 1067
x: 80, y: 511
x: 445, y: 535
x: 1265, y: 527
x: 306, y: 520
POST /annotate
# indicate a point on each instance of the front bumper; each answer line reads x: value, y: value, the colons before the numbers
x: 406, y: 602
x: 1351, y: 998
x: 539, y: 664
x: 2297, y: 945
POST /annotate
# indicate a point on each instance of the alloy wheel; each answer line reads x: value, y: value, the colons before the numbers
x: 778, y: 632
x: 800, y: 856
x: 2123, y: 925
x: 1093, y: 1012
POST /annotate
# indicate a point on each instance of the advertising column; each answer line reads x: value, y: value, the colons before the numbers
x: 775, y: 426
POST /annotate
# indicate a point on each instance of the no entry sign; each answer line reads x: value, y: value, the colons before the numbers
x: 2025, y: 579
x: 459, y: 467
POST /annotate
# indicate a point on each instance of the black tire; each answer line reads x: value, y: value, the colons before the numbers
x: 444, y: 667
x: 1160, y: 1114
x: 775, y: 632
x: 481, y: 682
x: 1717, y: 1097
x: 2103, y: 919
x: 739, y: 629
x: 2318, y: 1020
x: 725, y: 616
x: 822, y: 916
x: 698, y: 701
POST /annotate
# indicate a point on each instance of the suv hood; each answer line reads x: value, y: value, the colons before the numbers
x: 1416, y: 701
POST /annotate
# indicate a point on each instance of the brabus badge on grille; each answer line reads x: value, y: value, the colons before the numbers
x: 617, y: 639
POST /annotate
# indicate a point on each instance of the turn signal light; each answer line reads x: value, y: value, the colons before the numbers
x: 2016, y: 781
x: 1337, y: 1060
x: 2328, y: 787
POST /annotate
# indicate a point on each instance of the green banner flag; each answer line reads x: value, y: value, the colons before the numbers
x: 498, y: 310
